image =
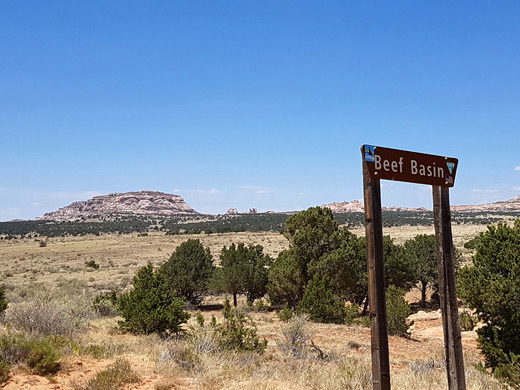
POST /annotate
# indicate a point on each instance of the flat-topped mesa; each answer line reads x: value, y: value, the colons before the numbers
x: 139, y: 203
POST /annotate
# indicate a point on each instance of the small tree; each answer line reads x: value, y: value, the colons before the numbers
x: 346, y: 267
x: 189, y: 270
x: 151, y: 306
x: 400, y: 269
x: 286, y: 283
x: 321, y: 301
x: 311, y: 234
x: 421, y: 250
x: 242, y: 270
x: 491, y: 286
x: 397, y: 310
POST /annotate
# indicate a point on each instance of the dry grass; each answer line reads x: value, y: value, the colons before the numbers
x: 24, y: 265
x: 192, y: 365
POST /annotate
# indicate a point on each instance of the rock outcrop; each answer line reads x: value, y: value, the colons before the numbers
x: 140, y: 203
x: 357, y: 206
x: 512, y: 204
x: 345, y: 207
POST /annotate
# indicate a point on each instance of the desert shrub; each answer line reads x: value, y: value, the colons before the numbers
x: 261, y: 305
x: 295, y: 335
x: 466, y: 321
x: 42, y: 314
x: 37, y: 353
x: 95, y: 350
x: 397, y: 310
x: 43, y: 358
x: 105, y: 304
x: 3, y: 302
x: 285, y: 314
x: 181, y: 354
x: 351, y: 313
x: 238, y: 332
x: 203, y: 339
x: 321, y: 302
x: 91, y: 264
x: 491, y: 287
x: 4, y: 371
x: 113, y: 377
x: 151, y: 306
x: 424, y: 368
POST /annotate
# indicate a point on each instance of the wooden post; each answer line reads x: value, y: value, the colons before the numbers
x: 447, y: 289
x: 376, y: 282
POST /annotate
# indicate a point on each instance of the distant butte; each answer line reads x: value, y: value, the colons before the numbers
x: 141, y: 203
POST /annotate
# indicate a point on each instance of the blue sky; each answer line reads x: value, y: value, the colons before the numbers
x: 253, y: 103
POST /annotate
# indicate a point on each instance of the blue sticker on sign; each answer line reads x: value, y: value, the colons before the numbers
x: 369, y: 153
x: 450, y: 166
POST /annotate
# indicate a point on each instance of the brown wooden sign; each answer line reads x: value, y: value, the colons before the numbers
x: 411, y: 167
x: 438, y: 171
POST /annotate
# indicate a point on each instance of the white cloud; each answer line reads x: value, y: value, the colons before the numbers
x: 212, y: 191
x: 256, y: 189
x: 516, y: 188
x: 517, y: 168
x: 485, y: 191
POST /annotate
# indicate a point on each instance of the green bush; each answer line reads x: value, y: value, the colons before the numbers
x: 4, y: 371
x: 113, y: 377
x: 92, y: 264
x: 491, y: 287
x: 38, y: 353
x: 466, y: 321
x: 321, y: 302
x: 105, y: 305
x: 285, y: 314
x: 397, y: 310
x: 351, y: 313
x: 43, y: 358
x: 151, y: 306
x: 3, y: 302
x: 236, y: 334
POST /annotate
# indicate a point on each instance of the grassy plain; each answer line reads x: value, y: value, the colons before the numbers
x: 416, y: 363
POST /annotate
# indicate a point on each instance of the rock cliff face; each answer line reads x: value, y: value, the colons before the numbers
x: 128, y: 203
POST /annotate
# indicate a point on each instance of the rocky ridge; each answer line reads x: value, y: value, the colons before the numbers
x: 141, y: 203
x: 511, y: 205
x: 355, y: 206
